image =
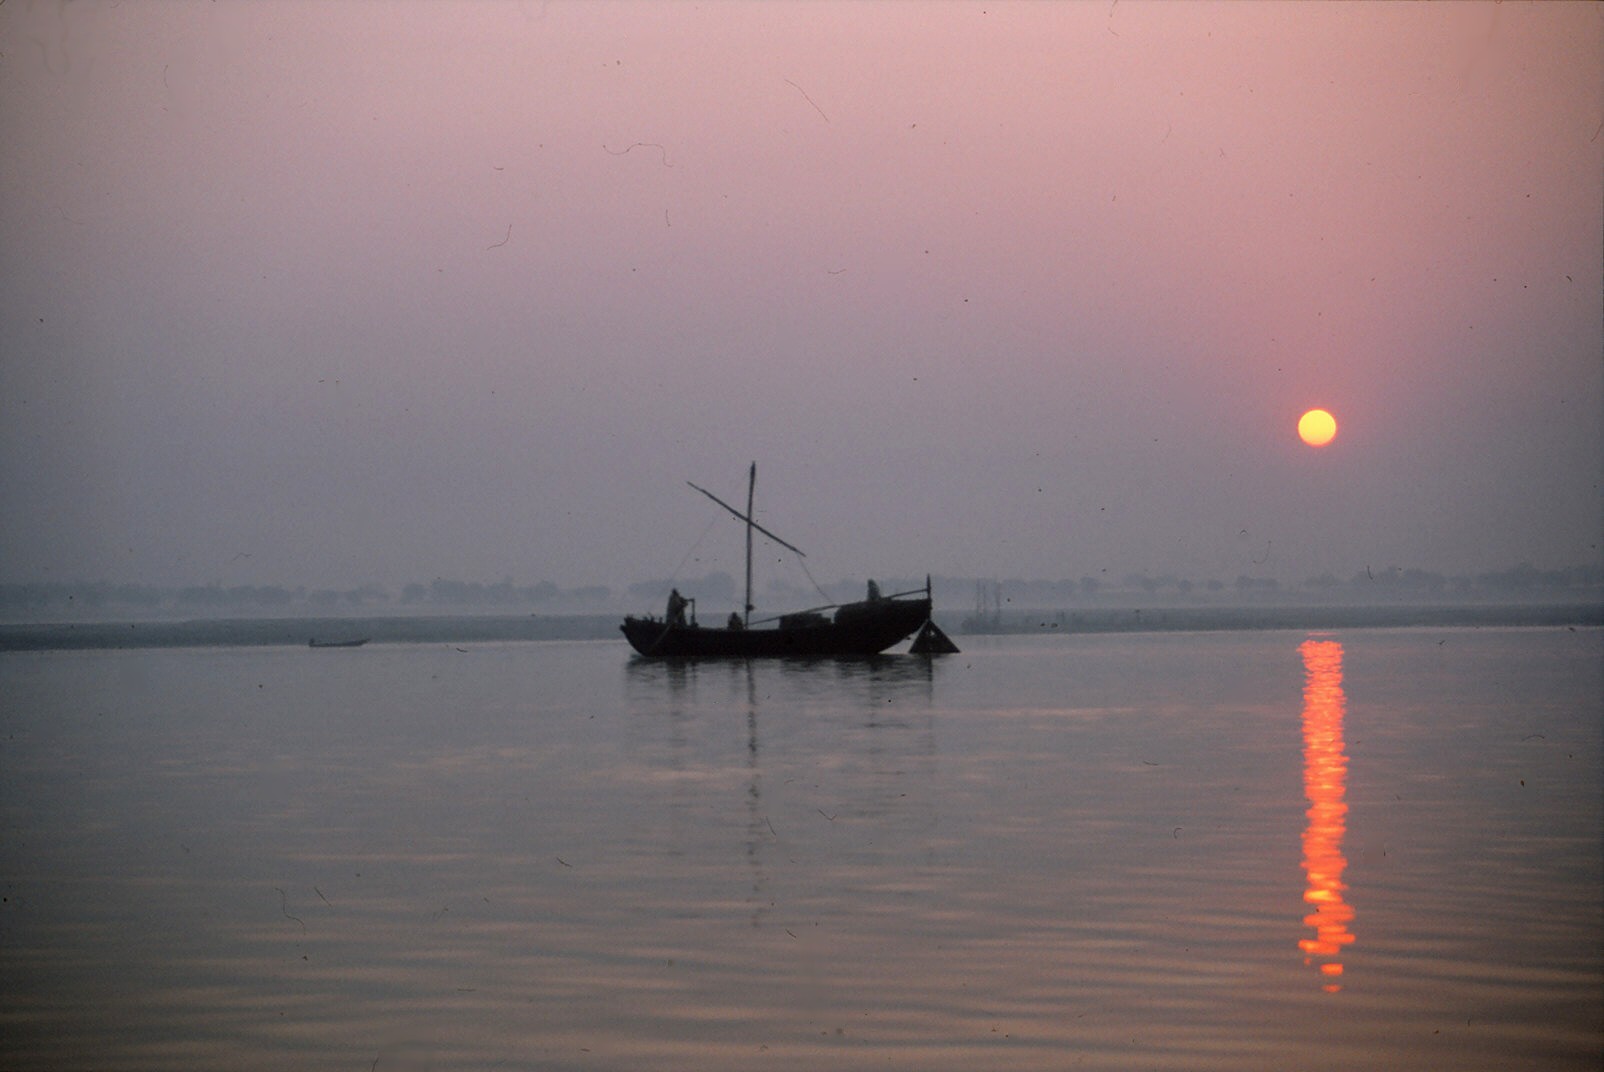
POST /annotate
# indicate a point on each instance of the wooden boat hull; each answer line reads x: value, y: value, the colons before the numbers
x: 866, y: 628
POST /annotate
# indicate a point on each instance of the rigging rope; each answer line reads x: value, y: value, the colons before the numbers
x: 675, y: 575
x: 822, y: 593
x: 801, y: 560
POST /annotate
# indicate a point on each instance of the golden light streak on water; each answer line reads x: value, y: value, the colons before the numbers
x: 1325, y: 779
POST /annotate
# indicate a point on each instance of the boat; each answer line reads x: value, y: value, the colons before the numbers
x: 866, y: 627
x: 316, y: 643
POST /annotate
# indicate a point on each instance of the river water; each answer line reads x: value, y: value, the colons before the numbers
x: 1252, y: 850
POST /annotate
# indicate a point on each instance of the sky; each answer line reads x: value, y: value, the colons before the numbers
x: 340, y: 293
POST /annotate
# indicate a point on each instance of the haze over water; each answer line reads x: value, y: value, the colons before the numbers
x: 1267, y: 850
x: 328, y: 294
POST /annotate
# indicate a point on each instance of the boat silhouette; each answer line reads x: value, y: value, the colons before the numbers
x: 866, y: 627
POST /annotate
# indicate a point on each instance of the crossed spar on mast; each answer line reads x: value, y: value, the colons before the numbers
x: 749, y: 521
x: 751, y: 491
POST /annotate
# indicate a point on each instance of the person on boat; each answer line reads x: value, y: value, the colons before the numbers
x: 676, y: 607
x: 874, y: 590
x: 734, y: 622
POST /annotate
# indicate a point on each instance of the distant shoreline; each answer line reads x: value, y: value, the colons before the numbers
x: 296, y: 632
x: 464, y: 629
x: 1218, y: 619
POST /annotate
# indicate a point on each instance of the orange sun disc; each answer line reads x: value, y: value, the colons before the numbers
x: 1317, y: 428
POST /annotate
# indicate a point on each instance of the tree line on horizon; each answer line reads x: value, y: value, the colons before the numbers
x: 719, y: 589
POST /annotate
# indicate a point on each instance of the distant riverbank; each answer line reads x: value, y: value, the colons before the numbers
x: 256, y: 632
x: 1215, y: 619
x: 467, y: 629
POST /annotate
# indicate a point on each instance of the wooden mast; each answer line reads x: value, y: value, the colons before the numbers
x: 751, y: 492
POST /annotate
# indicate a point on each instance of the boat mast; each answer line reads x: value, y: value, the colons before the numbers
x: 751, y: 491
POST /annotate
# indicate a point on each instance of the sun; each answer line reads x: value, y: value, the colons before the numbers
x: 1317, y: 428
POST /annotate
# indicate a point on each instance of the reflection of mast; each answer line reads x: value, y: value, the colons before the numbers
x: 1325, y: 778
x: 756, y: 819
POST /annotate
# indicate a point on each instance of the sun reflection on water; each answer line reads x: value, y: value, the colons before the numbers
x: 1325, y: 779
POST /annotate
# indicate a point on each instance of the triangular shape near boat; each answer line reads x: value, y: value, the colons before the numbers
x: 932, y: 641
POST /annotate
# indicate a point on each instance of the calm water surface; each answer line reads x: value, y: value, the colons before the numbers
x: 1367, y: 849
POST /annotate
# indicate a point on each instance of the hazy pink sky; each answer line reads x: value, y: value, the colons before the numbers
x: 324, y: 293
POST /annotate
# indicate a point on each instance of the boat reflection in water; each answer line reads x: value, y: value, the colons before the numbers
x: 1325, y: 779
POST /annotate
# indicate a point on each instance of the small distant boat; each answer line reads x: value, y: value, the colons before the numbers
x: 867, y: 627
x: 316, y: 643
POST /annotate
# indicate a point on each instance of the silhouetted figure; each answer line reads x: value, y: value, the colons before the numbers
x: 734, y: 622
x: 676, y: 607
x: 874, y: 590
